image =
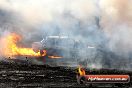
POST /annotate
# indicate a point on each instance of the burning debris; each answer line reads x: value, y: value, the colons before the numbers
x: 55, y: 57
x: 81, y: 71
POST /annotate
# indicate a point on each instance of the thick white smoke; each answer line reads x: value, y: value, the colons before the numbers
x: 43, y: 10
x: 116, y: 19
x: 97, y: 22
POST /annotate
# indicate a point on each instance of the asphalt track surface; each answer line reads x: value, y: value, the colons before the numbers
x: 43, y: 76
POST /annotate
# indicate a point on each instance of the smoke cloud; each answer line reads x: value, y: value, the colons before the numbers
x: 104, y: 24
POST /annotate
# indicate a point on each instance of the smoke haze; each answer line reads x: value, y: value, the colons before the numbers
x: 105, y: 24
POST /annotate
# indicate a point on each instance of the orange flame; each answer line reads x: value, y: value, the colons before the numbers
x: 44, y: 53
x: 10, y: 47
x: 81, y: 71
x: 55, y: 57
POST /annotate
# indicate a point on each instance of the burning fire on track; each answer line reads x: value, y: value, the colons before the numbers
x: 81, y: 71
x: 55, y: 57
x: 10, y: 47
